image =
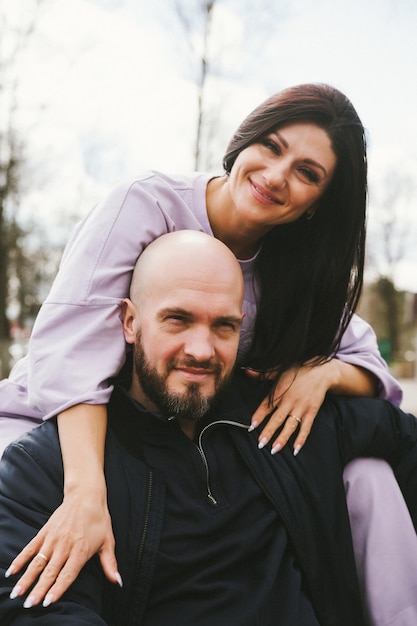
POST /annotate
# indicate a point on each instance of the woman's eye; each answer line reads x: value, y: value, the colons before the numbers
x: 309, y: 174
x: 271, y: 145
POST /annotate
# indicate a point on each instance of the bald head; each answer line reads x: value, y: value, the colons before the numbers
x: 186, y: 257
x: 183, y: 318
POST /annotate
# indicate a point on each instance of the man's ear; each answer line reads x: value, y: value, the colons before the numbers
x: 129, y: 315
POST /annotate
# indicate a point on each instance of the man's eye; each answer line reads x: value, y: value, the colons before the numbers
x: 227, y: 326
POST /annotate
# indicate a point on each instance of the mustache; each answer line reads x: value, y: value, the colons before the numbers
x: 215, y: 368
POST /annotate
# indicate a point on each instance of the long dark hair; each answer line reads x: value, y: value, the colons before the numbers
x: 310, y: 272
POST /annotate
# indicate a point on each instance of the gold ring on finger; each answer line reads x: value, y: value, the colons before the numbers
x: 297, y: 419
x: 43, y: 557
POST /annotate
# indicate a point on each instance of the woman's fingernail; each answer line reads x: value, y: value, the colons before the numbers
x: 252, y: 427
x: 297, y: 449
x: 48, y: 600
x: 28, y: 603
x: 15, y: 592
x: 119, y: 579
x: 8, y: 572
x: 262, y: 443
x: 276, y: 448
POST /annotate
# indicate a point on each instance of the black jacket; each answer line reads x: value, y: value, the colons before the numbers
x: 307, y: 491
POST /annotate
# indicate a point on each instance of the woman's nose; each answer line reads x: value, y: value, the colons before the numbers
x: 275, y: 177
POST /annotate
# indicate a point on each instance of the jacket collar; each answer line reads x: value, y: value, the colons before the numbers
x: 128, y: 419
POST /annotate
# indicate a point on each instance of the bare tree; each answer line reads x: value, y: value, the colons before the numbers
x: 259, y: 19
x: 16, y: 27
x: 391, y: 241
x: 395, y: 223
x: 197, y: 20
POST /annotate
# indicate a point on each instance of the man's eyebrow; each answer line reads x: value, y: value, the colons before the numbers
x: 229, y: 319
x: 174, y: 311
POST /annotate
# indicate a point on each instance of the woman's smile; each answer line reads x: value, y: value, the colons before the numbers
x: 262, y: 195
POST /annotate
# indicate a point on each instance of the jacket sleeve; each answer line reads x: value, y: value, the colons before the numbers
x: 370, y: 427
x: 359, y: 347
x: 64, y: 613
x: 77, y: 343
x: 31, y: 479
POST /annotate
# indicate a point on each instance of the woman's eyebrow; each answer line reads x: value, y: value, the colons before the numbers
x: 312, y: 162
x: 281, y: 138
x: 308, y: 161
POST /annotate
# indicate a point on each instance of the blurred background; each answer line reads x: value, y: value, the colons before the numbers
x: 93, y: 91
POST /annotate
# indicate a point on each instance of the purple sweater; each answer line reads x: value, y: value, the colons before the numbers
x: 77, y: 342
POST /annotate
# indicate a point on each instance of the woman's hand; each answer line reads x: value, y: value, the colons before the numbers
x: 78, y: 529
x: 299, y: 394
x: 81, y: 526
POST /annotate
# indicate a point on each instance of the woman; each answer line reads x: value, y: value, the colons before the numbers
x: 291, y: 206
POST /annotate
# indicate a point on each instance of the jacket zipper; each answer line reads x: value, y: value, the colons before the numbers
x: 139, y: 553
x: 200, y: 449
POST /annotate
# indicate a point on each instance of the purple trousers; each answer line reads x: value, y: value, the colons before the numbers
x: 384, y: 542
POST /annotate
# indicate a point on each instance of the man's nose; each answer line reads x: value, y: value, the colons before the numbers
x: 199, y: 344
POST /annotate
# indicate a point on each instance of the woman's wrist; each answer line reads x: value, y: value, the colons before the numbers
x: 334, y: 375
x: 94, y: 484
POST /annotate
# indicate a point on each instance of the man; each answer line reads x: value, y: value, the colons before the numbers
x: 209, y: 529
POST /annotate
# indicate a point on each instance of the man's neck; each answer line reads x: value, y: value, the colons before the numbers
x: 188, y: 427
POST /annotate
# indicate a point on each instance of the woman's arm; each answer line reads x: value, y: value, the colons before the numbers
x: 79, y: 323
x: 81, y: 526
x: 79, y: 326
x: 359, y: 347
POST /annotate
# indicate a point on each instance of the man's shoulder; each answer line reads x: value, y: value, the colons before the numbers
x: 243, y: 395
x: 40, y: 443
x: 360, y: 406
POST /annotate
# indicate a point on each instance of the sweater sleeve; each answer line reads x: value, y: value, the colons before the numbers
x: 77, y: 344
x: 359, y: 347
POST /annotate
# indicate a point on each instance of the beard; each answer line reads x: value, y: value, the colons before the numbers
x: 191, y: 404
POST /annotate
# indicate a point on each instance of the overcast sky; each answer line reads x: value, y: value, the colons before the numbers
x: 106, y: 91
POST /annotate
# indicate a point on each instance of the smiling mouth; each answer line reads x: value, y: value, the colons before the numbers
x: 195, y: 374
x: 262, y: 194
x: 195, y: 369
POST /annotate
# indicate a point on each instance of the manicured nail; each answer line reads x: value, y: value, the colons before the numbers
x: 8, y: 572
x: 49, y: 598
x: 276, y: 448
x: 119, y: 579
x: 252, y: 427
x: 28, y: 603
x: 15, y: 592
x: 297, y: 449
x: 262, y: 443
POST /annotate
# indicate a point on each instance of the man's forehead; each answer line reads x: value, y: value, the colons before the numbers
x: 179, y: 291
x: 197, y: 301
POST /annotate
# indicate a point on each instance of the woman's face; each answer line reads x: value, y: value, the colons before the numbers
x: 279, y: 179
